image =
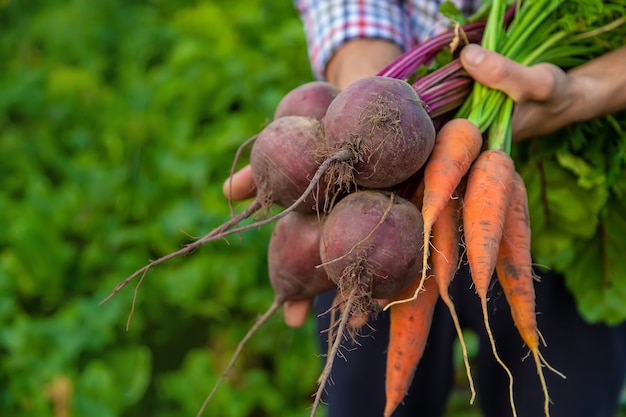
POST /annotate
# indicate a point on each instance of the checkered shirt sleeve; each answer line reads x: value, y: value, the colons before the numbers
x: 328, y: 24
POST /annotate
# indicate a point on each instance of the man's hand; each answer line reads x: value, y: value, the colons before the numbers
x: 542, y: 93
x: 547, y: 98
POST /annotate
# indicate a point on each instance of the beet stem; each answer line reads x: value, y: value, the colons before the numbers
x: 448, y: 71
x: 257, y: 324
x: 424, y: 52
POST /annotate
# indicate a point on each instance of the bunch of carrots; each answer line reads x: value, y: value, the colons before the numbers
x: 480, y: 193
x: 471, y: 194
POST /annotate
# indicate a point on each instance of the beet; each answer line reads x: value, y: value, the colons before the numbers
x: 384, y: 122
x: 294, y: 260
x: 284, y: 158
x: 358, y: 250
x: 310, y: 99
x: 371, y: 247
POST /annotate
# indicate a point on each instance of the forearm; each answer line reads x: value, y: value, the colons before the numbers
x: 601, y: 86
x: 592, y: 90
x: 360, y: 58
x: 547, y: 98
x: 356, y: 36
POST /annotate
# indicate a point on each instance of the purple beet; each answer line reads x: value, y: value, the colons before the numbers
x: 383, y: 121
x: 310, y: 100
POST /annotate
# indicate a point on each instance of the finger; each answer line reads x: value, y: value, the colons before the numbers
x: 242, y: 184
x: 297, y: 311
x: 518, y: 81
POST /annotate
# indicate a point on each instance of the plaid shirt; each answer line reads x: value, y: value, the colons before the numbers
x: 330, y: 23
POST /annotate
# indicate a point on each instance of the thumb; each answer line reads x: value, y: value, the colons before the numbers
x: 518, y: 81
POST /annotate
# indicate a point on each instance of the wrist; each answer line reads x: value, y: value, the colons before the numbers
x: 548, y: 104
x: 583, y: 99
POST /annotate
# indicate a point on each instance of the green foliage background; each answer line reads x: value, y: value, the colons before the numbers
x: 119, y: 121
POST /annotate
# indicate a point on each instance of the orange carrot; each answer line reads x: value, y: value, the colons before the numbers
x: 485, y: 205
x: 457, y: 145
x: 514, y: 269
x: 444, y: 262
x: 409, y: 327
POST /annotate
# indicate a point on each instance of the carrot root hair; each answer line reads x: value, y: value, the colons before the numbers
x: 444, y: 262
x: 516, y: 276
x: 492, y: 341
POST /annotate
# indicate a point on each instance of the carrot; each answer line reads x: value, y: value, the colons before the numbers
x: 457, y: 145
x: 409, y: 327
x: 514, y: 270
x: 485, y: 205
x: 444, y: 262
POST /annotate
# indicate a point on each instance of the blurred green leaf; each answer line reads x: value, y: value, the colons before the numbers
x: 576, y: 200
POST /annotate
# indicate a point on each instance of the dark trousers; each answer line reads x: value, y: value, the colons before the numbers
x: 593, y: 357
